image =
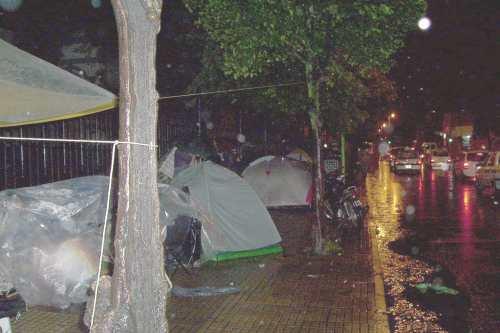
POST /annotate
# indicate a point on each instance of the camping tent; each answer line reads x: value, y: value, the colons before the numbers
x: 173, y: 163
x: 280, y: 181
x: 235, y: 223
x: 299, y: 155
x: 35, y: 91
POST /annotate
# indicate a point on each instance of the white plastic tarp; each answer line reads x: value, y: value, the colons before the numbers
x: 233, y: 217
x: 280, y: 181
x: 35, y: 91
x: 50, y: 239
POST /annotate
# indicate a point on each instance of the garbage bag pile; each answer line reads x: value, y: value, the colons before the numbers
x: 50, y: 239
x: 11, y: 304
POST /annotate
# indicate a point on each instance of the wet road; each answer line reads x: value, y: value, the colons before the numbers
x: 429, y: 226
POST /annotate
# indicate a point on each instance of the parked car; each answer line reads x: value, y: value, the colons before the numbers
x: 440, y: 160
x: 488, y: 170
x: 407, y: 160
x: 465, y: 166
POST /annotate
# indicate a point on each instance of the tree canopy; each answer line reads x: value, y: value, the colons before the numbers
x: 345, y: 44
x: 256, y: 33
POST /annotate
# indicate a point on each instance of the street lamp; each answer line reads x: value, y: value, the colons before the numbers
x: 384, y: 125
x: 393, y: 115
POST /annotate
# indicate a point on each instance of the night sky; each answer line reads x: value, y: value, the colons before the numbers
x: 452, y: 67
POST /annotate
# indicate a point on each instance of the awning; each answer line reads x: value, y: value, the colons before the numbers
x: 34, y: 91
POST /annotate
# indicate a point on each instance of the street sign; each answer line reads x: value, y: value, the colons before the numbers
x: 331, y: 165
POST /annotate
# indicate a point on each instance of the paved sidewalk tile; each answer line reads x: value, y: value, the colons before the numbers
x: 293, y: 292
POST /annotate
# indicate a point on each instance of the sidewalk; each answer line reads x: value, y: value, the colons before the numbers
x: 293, y: 292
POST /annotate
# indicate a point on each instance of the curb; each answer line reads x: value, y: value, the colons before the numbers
x: 378, y: 276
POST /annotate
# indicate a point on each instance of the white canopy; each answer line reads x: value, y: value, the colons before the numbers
x: 34, y: 91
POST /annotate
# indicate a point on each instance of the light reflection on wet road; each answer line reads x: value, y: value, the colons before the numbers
x: 451, y: 226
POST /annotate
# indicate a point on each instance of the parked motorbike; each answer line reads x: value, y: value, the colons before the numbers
x: 342, y: 205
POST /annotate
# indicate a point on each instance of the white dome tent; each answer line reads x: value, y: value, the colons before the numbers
x: 280, y: 181
x: 235, y: 223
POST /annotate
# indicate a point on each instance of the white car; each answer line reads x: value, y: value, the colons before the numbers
x: 393, y: 152
x: 488, y: 170
x: 467, y: 163
x: 407, y: 161
x: 440, y: 160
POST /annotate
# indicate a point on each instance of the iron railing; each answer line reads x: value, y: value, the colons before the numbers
x: 28, y: 163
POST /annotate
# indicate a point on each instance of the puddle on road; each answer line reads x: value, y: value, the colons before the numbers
x: 451, y: 310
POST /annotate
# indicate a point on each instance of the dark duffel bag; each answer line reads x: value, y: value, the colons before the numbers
x: 11, y: 304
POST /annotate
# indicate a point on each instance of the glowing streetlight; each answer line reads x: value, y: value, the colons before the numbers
x: 424, y: 23
x: 384, y: 125
x: 393, y: 115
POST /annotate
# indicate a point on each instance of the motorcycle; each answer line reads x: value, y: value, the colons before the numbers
x: 342, y: 205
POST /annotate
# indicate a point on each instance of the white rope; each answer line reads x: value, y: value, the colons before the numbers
x: 108, y: 203
x: 14, y: 138
x: 232, y: 90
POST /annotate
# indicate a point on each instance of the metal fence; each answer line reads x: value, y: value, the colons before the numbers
x: 25, y: 163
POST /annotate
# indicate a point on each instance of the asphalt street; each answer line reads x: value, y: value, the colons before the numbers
x: 434, y: 229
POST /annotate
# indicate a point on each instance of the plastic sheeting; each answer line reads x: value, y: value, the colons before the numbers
x: 35, y: 91
x: 280, y: 181
x: 232, y: 215
x: 50, y: 239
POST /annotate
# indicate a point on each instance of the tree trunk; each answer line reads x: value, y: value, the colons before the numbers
x: 139, y: 286
x: 314, y: 116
